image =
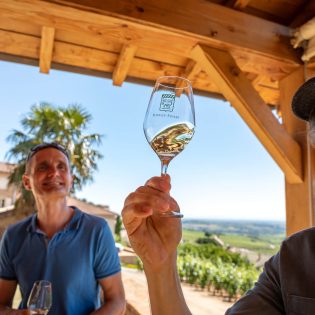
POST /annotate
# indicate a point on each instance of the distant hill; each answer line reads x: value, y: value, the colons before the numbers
x: 242, y: 227
x: 260, y: 239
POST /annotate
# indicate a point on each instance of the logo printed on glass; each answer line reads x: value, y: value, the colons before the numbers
x: 167, y: 102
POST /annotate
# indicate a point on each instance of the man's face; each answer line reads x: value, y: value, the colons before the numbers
x: 48, y: 174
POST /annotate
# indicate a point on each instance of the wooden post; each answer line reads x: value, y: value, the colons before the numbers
x: 299, y: 208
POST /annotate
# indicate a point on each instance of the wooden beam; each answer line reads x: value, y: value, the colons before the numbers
x: 18, y: 46
x: 299, y: 197
x: 192, y: 70
x: 65, y: 54
x: 220, y: 26
x: 237, y: 89
x: 161, y: 52
x: 46, y: 49
x: 238, y: 4
x: 306, y: 13
x: 123, y: 64
x: 201, y: 21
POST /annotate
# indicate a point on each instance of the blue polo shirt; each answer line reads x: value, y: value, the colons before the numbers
x: 73, y: 260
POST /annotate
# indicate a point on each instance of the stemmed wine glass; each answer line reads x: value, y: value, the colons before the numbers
x: 169, y: 122
x: 40, y: 299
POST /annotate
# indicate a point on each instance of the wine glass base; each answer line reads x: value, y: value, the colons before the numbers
x: 171, y: 214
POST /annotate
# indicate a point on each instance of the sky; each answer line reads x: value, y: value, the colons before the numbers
x: 223, y: 173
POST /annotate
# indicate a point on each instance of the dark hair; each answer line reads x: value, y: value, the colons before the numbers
x: 46, y: 145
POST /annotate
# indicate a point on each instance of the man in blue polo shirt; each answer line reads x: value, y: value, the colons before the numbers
x: 73, y: 250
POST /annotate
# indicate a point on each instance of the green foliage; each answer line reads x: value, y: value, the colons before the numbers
x: 118, y: 227
x: 191, y: 235
x: 65, y: 125
x: 264, y: 244
x: 261, y: 244
x: 212, y: 267
x: 204, y: 240
x: 139, y: 264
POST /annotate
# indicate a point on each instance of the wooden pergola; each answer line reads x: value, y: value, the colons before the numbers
x: 238, y: 50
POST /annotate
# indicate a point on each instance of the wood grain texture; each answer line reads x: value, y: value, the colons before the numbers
x: 237, y: 89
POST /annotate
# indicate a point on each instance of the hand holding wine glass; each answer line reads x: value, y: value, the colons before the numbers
x: 40, y: 299
x: 169, y: 122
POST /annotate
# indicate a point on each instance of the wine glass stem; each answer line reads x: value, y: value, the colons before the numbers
x: 164, y: 166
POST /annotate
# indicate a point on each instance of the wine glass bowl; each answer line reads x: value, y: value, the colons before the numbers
x: 40, y: 298
x: 169, y: 122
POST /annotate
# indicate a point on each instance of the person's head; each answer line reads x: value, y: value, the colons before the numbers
x: 47, y: 170
x: 303, y: 102
x: 303, y: 106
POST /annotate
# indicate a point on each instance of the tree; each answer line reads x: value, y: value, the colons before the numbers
x: 118, y: 227
x: 65, y: 125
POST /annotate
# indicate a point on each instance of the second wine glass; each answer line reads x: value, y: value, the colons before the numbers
x: 169, y: 122
x: 40, y: 299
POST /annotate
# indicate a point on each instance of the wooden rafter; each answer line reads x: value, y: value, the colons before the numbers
x: 211, y: 24
x: 215, y: 24
x: 87, y: 39
x: 86, y: 34
x: 46, y: 49
x: 238, y: 4
x: 192, y: 69
x: 306, y: 13
x: 239, y: 91
x: 123, y: 64
x: 69, y: 55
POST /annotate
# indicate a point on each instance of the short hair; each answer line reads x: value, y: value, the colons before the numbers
x: 46, y: 145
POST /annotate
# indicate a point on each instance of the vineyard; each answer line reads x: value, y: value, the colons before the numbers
x: 209, y: 266
x: 213, y: 268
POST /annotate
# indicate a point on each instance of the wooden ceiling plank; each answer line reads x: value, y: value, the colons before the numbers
x: 257, y: 80
x: 192, y: 70
x: 20, y: 27
x: 237, y: 89
x: 111, y: 36
x: 215, y: 23
x: 46, y: 49
x: 19, y: 44
x: 170, y: 53
x: 28, y: 46
x: 261, y: 65
x: 238, y: 4
x: 207, y: 23
x: 160, y: 52
x: 123, y: 64
x: 306, y: 12
x: 241, y: 4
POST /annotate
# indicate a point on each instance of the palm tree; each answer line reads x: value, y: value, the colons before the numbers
x: 65, y: 125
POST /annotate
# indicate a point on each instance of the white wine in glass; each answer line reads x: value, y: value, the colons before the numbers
x: 40, y: 299
x: 169, y: 122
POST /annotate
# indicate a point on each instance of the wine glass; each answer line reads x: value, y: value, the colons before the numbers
x: 40, y: 299
x: 169, y: 123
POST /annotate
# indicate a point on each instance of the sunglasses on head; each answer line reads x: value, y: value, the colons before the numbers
x: 46, y: 145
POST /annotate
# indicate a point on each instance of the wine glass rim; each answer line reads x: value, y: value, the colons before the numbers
x: 188, y: 82
x: 43, y: 283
